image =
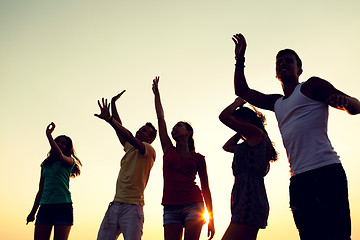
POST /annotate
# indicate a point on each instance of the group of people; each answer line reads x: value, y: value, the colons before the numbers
x: 318, y: 184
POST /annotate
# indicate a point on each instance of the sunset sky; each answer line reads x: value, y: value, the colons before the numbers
x: 57, y: 58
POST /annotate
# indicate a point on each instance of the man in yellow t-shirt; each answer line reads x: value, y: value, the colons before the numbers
x: 125, y: 214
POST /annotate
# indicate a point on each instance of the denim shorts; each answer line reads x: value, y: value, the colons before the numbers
x: 179, y: 214
x: 55, y: 214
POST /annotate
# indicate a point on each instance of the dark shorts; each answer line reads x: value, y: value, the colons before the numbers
x: 179, y: 214
x: 320, y: 205
x: 55, y: 214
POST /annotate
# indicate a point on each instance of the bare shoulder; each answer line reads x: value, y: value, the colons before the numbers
x: 313, y: 83
x: 256, y: 138
x: 318, y: 89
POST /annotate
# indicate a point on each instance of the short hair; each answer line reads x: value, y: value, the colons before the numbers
x: 153, y: 133
x: 291, y: 52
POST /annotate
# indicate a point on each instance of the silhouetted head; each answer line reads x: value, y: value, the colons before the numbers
x: 290, y: 52
x: 288, y: 64
x: 256, y: 118
x: 184, y: 129
x: 146, y: 133
x: 66, y: 146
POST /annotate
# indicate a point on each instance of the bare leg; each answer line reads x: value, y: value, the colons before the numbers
x: 241, y: 231
x: 193, y: 229
x: 61, y: 232
x: 42, y: 232
x: 173, y: 231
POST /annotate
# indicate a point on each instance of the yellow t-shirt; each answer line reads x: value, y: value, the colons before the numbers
x: 134, y: 174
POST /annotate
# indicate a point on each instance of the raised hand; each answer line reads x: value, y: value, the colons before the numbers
x: 240, y: 45
x: 155, y: 86
x: 104, y: 110
x: 239, y: 101
x: 115, y: 98
x: 50, y: 128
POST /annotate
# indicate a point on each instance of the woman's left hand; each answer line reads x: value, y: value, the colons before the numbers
x: 211, y: 228
x: 30, y: 218
x: 239, y: 101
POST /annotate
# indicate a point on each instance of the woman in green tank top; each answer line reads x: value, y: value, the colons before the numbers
x: 54, y: 197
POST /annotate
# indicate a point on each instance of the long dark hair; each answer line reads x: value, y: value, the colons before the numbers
x: 69, y: 152
x: 258, y: 119
x: 191, y: 143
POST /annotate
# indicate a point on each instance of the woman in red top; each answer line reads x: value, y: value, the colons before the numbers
x: 182, y: 198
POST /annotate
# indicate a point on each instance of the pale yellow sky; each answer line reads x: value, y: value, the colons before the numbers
x: 58, y: 57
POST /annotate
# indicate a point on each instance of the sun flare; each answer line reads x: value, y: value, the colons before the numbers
x: 206, y: 216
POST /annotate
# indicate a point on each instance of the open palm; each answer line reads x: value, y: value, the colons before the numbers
x: 104, y: 109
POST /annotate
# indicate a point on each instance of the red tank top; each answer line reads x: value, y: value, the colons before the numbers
x: 179, y: 178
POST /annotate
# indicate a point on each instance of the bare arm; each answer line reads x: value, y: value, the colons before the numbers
x: 349, y: 104
x: 55, y: 148
x: 116, y: 115
x: 251, y: 133
x: 321, y: 90
x: 242, y: 89
x: 31, y: 216
x: 204, y: 181
x: 163, y: 134
x: 123, y: 132
x: 230, y: 145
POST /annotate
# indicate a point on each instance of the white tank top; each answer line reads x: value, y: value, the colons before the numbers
x: 303, y: 126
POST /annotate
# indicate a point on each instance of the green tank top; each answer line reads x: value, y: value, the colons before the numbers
x: 56, y: 183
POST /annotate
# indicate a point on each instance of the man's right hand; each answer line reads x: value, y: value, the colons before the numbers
x: 104, y: 110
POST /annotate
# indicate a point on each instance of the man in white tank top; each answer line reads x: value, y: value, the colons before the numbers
x: 318, y: 185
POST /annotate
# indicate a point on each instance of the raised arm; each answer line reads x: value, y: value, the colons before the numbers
x: 251, y: 133
x: 123, y: 132
x: 321, y: 90
x: 204, y: 181
x: 116, y: 115
x: 242, y: 89
x: 230, y: 145
x: 163, y: 134
x: 55, y: 148
x: 31, y: 216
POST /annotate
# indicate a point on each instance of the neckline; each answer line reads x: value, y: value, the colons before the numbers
x: 298, y: 85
